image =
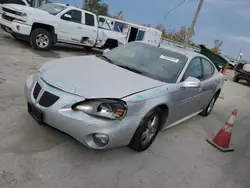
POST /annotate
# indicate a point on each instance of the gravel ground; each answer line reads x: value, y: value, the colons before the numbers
x: 35, y: 156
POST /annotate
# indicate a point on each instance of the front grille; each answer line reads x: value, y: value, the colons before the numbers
x: 8, y: 18
x: 9, y: 10
x: 48, y: 99
x: 36, y: 90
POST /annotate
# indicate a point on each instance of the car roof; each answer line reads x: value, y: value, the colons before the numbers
x: 187, y: 52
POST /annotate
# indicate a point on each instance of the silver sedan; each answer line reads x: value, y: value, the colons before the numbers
x: 125, y: 96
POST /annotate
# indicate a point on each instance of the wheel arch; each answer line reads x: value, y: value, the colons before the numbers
x: 217, y: 93
x: 110, y: 43
x: 47, y: 27
x: 165, y: 112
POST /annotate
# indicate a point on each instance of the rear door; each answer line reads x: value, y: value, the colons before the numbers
x: 89, y: 33
x: 70, y: 26
x: 208, y: 83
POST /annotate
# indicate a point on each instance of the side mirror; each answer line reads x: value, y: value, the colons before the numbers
x: 191, y: 82
x: 67, y: 16
x: 106, y: 51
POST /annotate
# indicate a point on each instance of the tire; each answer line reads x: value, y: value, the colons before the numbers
x: 88, y: 47
x: 45, y: 42
x: 14, y: 36
x: 140, y: 141
x: 210, y: 106
x: 236, y: 78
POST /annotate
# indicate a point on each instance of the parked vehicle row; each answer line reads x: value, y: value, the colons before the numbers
x: 53, y: 22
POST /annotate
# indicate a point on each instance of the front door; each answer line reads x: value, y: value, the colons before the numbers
x: 186, y: 101
x: 71, y: 27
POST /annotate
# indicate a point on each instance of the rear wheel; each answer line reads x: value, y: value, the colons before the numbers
x: 236, y: 78
x: 41, y: 39
x: 147, y: 131
x: 88, y: 47
x: 14, y: 36
x: 210, y: 106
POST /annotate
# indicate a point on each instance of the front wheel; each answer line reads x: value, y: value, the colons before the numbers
x: 210, y: 106
x: 147, y: 131
x: 14, y: 36
x: 41, y: 39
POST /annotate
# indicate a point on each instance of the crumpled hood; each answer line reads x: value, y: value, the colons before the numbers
x: 92, y: 77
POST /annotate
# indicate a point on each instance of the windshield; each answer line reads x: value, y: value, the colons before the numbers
x: 52, y: 8
x: 150, y: 61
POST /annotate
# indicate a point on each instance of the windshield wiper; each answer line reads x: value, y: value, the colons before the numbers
x: 130, y: 68
x: 105, y: 58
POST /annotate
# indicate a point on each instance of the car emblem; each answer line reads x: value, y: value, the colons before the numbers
x: 4, y: 13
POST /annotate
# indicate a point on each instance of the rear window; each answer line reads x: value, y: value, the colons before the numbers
x: 89, y: 19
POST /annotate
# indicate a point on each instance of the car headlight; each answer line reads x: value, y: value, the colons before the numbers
x: 107, y: 108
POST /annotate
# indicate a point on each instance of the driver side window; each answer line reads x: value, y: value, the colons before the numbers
x: 194, y: 69
x: 73, y: 16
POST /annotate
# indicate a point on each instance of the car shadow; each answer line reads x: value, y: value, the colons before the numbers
x: 78, y: 50
x: 56, y: 50
x: 244, y: 83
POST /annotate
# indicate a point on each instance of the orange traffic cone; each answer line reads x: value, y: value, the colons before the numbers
x: 225, y: 69
x: 222, y: 139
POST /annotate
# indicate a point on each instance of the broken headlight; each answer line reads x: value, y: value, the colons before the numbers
x: 107, y: 108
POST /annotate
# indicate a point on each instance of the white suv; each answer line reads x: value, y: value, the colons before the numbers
x: 53, y: 22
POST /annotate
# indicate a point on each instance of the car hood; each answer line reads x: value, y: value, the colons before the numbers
x: 25, y: 9
x: 92, y: 77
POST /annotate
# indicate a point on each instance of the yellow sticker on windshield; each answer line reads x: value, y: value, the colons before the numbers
x: 169, y: 58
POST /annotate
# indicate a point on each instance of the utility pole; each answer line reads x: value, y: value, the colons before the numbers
x: 191, y: 30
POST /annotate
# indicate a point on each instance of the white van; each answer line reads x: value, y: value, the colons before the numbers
x: 132, y: 32
x: 141, y: 33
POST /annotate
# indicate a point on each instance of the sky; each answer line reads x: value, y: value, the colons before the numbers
x: 226, y: 20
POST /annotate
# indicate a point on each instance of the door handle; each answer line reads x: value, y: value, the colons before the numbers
x: 94, y: 30
x: 79, y: 27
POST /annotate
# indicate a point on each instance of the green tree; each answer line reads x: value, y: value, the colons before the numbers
x: 96, y: 6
